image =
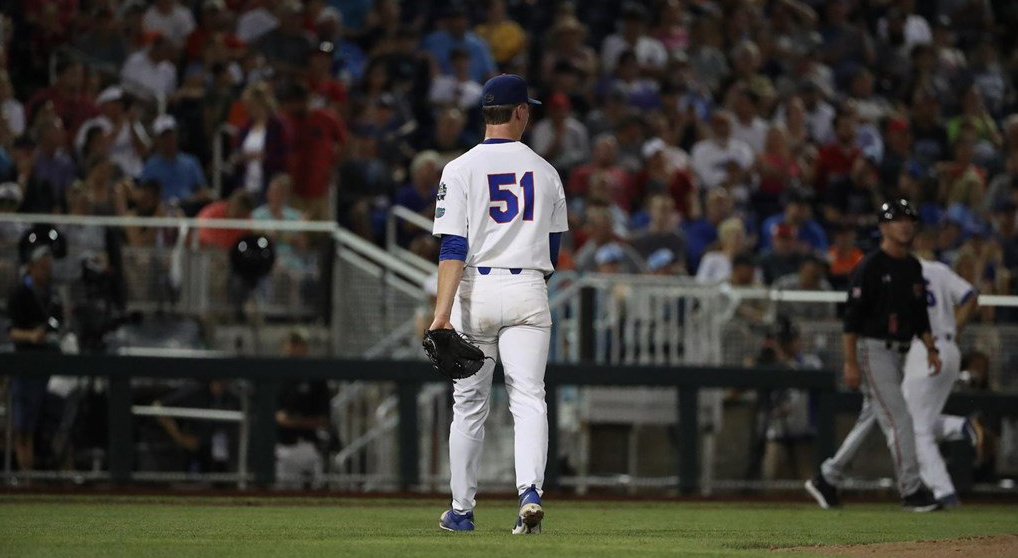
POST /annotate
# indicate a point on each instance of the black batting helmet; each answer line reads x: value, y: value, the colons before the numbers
x: 896, y: 209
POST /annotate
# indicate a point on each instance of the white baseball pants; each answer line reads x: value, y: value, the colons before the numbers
x: 925, y: 396
x: 507, y: 315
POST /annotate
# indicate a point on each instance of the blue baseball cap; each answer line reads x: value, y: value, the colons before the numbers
x: 506, y: 89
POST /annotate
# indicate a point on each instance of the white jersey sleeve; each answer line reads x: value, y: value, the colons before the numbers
x: 559, y: 218
x: 451, y: 203
x: 944, y: 290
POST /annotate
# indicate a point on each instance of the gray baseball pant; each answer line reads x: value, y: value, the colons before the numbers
x: 882, y: 374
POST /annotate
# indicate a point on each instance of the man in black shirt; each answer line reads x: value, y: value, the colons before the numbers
x: 35, y: 314
x: 303, y: 411
x: 886, y: 308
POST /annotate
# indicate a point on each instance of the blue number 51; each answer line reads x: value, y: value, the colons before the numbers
x: 505, y: 205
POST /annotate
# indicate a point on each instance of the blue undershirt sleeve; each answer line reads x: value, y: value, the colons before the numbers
x: 554, y: 242
x: 454, y: 247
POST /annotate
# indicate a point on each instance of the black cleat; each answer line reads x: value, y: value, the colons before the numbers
x: 823, y: 492
x: 921, y: 500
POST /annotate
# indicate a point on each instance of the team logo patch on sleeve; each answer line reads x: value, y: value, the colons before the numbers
x: 439, y: 212
x: 441, y: 192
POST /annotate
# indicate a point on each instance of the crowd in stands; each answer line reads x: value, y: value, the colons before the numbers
x: 728, y: 140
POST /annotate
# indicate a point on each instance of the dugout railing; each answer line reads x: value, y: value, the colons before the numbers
x: 266, y: 374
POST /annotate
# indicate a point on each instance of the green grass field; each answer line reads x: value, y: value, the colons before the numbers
x: 112, y: 527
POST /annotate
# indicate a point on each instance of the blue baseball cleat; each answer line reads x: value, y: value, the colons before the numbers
x: 452, y: 521
x: 528, y: 522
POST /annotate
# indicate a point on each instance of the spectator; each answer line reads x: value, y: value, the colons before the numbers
x: 32, y: 307
x: 897, y: 157
x: 974, y: 113
x: 784, y: 255
x: 598, y: 232
x: 213, y: 29
x: 672, y: 28
x: 326, y: 91
x: 797, y: 214
x: 603, y: 160
x: 1006, y: 231
x: 703, y: 232
x: 128, y: 142
x: 560, y: 138
x: 507, y: 39
x: 660, y: 176
x: 51, y: 167
x: 566, y: 46
x: 289, y: 244
x: 844, y: 255
x: 721, y: 158
x: 318, y: 139
x: 651, y: 55
x: 348, y: 60
x: 457, y: 89
x: 150, y: 72
x: 170, y: 20
x: 448, y: 140
x: 256, y: 21
x: 453, y: 32
x: 961, y: 180
x: 641, y: 93
x: 264, y: 143
x: 716, y: 266
x: 148, y: 202
x: 836, y: 159
x: 779, y: 170
x: 238, y: 206
x: 747, y: 125
x: 419, y: 194
x: 365, y: 188
x: 106, y: 193
x: 287, y: 46
x: 809, y: 277
x: 67, y: 94
x: 180, y: 174
x: 929, y: 137
x: 104, y: 46
x: 663, y: 232
x: 302, y: 418
x: 12, y: 112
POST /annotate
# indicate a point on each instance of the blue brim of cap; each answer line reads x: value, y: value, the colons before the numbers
x: 533, y: 101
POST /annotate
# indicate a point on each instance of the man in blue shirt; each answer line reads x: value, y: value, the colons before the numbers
x: 452, y: 33
x: 797, y: 215
x: 703, y: 232
x: 180, y: 174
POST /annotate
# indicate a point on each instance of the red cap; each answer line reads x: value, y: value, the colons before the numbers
x: 559, y: 101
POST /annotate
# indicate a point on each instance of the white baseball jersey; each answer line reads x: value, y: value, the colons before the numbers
x: 505, y: 200
x: 944, y: 290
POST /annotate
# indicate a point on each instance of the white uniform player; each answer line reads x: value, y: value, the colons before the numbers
x: 500, y: 210
x: 925, y: 394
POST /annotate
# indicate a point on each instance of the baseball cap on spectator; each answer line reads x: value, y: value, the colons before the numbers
x: 110, y: 94
x: 164, y: 123
x: 652, y: 147
x: 506, y: 89
x: 298, y: 335
x: 798, y: 196
x: 559, y: 101
x: 210, y: 5
x: 660, y: 258
x: 897, y: 124
x: 325, y: 48
x: 293, y: 8
x: 329, y: 13
x: 609, y: 253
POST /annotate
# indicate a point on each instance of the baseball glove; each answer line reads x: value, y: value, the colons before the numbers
x: 451, y: 354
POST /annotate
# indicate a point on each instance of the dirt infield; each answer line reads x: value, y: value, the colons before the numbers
x: 1001, y: 546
